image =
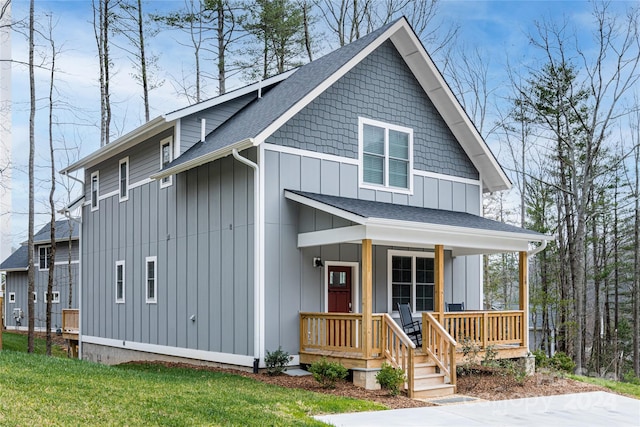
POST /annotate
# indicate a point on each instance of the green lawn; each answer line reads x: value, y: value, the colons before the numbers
x: 18, y: 342
x: 39, y: 390
x: 632, y: 390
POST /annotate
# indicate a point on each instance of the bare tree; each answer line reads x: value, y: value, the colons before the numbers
x: 103, y: 11
x: 32, y: 119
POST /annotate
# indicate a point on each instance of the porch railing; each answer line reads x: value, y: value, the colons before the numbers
x: 398, y: 349
x: 438, y: 344
x: 487, y: 328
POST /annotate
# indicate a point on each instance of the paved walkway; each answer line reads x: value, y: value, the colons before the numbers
x: 584, y: 409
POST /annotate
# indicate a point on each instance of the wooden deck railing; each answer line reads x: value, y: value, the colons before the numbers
x: 438, y: 344
x: 487, y: 328
x: 398, y: 349
x: 70, y: 320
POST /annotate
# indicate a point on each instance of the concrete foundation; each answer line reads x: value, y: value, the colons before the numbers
x: 529, y: 363
x: 366, y: 378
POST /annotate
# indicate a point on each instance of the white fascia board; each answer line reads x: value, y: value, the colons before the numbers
x: 119, y: 145
x: 351, y: 234
x: 269, y: 130
x: 425, y: 71
x: 324, y: 207
x: 10, y: 270
x: 254, y: 87
x: 209, y: 157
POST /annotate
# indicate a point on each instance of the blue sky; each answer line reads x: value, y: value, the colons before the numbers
x: 497, y: 28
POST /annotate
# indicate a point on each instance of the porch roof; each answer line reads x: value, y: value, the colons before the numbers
x: 411, y: 226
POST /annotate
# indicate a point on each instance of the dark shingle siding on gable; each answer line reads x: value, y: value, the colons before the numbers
x: 382, y: 88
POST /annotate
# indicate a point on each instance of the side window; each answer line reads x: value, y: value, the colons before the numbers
x: 35, y: 297
x: 151, y: 280
x: 120, y: 282
x: 12, y: 297
x: 166, y: 156
x: 44, y: 253
x: 94, y: 190
x: 124, y: 179
x: 55, y: 299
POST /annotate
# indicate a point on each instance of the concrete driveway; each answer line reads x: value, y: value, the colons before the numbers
x: 583, y: 409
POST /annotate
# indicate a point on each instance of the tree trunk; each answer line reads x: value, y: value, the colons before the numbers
x: 52, y: 190
x: 32, y: 117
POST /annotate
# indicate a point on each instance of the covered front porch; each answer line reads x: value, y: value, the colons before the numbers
x: 364, y: 341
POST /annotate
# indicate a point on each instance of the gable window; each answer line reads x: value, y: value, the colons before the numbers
x: 151, y: 282
x: 386, y: 155
x: 166, y: 156
x: 12, y: 297
x: 411, y: 279
x: 94, y: 190
x: 44, y: 253
x: 120, y: 282
x: 55, y: 299
x: 124, y: 179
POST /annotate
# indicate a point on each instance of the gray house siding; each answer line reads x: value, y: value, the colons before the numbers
x: 201, y: 231
x: 329, y: 124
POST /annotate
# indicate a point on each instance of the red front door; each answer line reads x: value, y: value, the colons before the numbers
x: 339, y: 289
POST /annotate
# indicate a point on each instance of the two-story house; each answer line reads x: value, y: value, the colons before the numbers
x: 297, y: 212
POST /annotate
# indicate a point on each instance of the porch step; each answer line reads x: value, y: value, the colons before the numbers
x: 427, y: 380
x: 433, y: 391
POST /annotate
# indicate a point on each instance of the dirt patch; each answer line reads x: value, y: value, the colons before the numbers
x: 483, y: 385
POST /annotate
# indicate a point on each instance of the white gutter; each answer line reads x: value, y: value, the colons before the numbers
x: 538, y: 249
x: 258, y: 300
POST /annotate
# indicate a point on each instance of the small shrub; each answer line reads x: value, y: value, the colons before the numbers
x: 490, y: 355
x: 562, y: 362
x: 276, y: 361
x: 328, y: 373
x: 631, y: 378
x: 391, y: 378
x: 542, y: 361
x: 470, y: 352
x: 514, y: 369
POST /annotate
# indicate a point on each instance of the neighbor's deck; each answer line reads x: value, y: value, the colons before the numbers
x: 70, y: 328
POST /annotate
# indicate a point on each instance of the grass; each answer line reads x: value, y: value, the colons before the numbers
x: 632, y: 390
x: 40, y: 390
x: 18, y: 342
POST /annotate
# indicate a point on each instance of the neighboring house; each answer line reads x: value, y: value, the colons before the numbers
x: 252, y: 221
x: 16, y: 267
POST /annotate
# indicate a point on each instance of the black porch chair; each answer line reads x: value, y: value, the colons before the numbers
x: 457, y: 306
x: 411, y: 327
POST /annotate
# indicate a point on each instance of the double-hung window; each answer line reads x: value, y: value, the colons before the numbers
x: 55, y: 299
x: 151, y: 279
x: 411, y: 279
x: 386, y: 158
x: 166, y: 156
x: 123, y: 180
x: 120, y: 282
x: 94, y: 190
x: 44, y: 255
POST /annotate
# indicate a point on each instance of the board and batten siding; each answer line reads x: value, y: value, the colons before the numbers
x: 294, y: 285
x: 200, y: 229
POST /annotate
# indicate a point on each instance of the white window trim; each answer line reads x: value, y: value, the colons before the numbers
x: 166, y: 181
x: 55, y: 299
x: 147, y: 260
x: 126, y: 186
x: 355, y: 283
x: 45, y: 255
x: 95, y: 204
x: 124, y: 282
x: 35, y: 297
x: 387, y: 126
x: 413, y: 254
x: 12, y: 297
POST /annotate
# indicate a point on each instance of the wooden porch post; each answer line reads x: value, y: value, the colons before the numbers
x: 367, y: 293
x: 438, y: 265
x: 524, y: 296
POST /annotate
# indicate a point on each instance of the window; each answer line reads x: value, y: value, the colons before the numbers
x: 151, y: 279
x: 166, y: 156
x: 35, y: 297
x: 94, y: 191
x: 55, y: 299
x: 12, y: 297
x: 124, y: 179
x: 411, y: 279
x: 119, y: 282
x: 44, y: 253
x: 386, y: 157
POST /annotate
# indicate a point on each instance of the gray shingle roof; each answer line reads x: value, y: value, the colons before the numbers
x: 371, y: 209
x: 261, y: 113
x: 17, y: 260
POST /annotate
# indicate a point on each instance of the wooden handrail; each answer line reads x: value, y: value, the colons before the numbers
x: 398, y: 349
x: 438, y: 344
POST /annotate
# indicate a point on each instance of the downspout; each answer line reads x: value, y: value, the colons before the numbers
x: 68, y: 215
x: 257, y: 290
x: 537, y: 250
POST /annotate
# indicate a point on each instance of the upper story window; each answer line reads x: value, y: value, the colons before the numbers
x: 44, y: 255
x: 124, y: 179
x: 166, y: 156
x: 411, y: 279
x: 119, y: 282
x: 386, y: 155
x: 151, y: 282
x: 94, y: 190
